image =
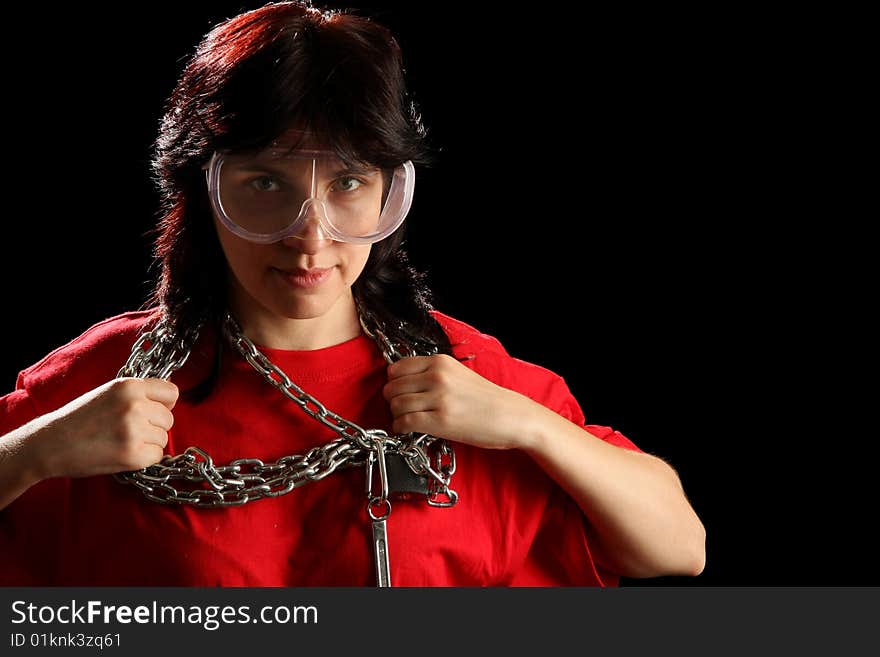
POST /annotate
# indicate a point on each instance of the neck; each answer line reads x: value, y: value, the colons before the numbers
x: 267, y: 329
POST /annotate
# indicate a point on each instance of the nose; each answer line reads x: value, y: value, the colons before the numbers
x: 311, y: 236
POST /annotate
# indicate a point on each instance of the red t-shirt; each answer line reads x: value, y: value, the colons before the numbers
x: 512, y: 526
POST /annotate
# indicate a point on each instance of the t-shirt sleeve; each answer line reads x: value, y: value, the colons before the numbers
x: 84, y: 363
x: 557, y: 397
x: 16, y: 409
x: 487, y: 356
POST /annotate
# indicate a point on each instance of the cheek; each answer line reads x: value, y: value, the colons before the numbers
x: 240, y: 254
x: 356, y: 256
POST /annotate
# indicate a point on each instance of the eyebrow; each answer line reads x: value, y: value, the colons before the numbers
x: 356, y: 169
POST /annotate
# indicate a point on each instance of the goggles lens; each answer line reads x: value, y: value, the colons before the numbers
x: 274, y: 194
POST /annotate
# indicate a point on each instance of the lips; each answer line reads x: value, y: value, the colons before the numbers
x: 305, y: 278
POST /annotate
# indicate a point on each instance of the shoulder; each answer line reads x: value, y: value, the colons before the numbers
x: 465, y: 339
x: 471, y: 344
x: 487, y: 356
x: 87, y: 361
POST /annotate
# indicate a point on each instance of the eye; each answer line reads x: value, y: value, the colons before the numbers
x: 348, y: 184
x: 265, y: 184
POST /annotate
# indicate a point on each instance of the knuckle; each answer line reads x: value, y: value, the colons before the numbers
x: 445, y: 360
x: 129, y: 387
x: 132, y: 407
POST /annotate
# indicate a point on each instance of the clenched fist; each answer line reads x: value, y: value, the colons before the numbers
x: 440, y: 396
x: 121, y: 425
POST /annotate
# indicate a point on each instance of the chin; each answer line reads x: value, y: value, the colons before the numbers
x: 309, y: 308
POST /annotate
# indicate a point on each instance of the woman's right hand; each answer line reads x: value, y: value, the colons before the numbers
x: 119, y: 426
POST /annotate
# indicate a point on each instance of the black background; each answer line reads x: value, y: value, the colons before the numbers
x: 640, y: 202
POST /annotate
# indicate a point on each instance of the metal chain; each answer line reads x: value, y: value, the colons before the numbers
x: 155, y: 354
x: 200, y: 483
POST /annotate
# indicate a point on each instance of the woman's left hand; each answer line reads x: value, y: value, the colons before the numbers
x: 440, y: 396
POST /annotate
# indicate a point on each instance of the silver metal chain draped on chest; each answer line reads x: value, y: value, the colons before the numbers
x: 192, y: 478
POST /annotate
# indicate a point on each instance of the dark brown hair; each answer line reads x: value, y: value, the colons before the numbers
x: 338, y: 75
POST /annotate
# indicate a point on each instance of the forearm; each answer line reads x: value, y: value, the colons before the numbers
x: 634, y: 502
x: 19, y: 466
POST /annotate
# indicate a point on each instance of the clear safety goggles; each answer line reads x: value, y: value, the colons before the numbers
x: 270, y: 195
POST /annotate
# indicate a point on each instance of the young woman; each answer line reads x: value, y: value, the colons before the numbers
x: 290, y: 411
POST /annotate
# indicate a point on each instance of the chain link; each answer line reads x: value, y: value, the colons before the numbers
x: 156, y: 354
x: 199, y: 483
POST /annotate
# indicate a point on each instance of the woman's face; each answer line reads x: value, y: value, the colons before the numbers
x: 297, y: 278
x: 303, y: 276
